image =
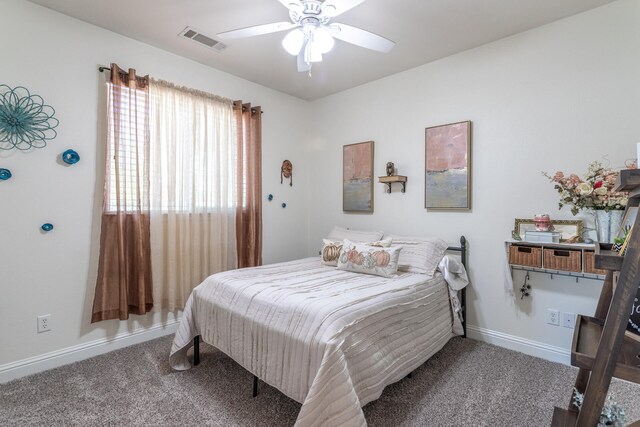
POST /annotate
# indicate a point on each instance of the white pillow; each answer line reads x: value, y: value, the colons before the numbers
x: 362, y: 258
x: 339, y: 234
x: 420, y: 254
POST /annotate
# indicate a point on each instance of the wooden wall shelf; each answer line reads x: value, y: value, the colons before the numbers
x: 583, y: 254
x: 388, y: 180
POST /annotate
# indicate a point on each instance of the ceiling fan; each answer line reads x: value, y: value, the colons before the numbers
x: 312, y: 34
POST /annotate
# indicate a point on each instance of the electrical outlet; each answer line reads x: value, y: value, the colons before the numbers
x: 568, y: 320
x: 553, y: 317
x: 44, y: 323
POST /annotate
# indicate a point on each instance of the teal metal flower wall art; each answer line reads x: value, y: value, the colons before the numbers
x: 25, y: 120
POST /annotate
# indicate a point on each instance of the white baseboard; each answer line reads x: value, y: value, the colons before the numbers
x: 54, y: 359
x: 512, y: 342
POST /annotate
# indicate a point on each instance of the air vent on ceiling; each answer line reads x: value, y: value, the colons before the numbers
x: 195, y: 35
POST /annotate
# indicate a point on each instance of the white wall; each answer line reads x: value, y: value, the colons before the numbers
x: 556, y: 97
x: 57, y: 57
x: 553, y: 98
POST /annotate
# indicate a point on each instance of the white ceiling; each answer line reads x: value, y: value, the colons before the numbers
x: 424, y: 30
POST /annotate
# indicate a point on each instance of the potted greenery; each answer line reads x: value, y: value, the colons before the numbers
x: 612, y: 414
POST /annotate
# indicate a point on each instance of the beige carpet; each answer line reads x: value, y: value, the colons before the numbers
x: 468, y: 383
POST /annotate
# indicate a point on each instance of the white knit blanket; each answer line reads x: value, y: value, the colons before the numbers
x: 327, y: 338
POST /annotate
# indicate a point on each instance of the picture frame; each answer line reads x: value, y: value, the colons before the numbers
x: 628, y: 220
x: 625, y: 245
x: 448, y: 167
x: 568, y: 228
x: 357, y: 177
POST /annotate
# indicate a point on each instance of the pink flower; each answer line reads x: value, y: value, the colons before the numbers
x: 611, y: 179
x: 574, y: 179
x: 595, y: 191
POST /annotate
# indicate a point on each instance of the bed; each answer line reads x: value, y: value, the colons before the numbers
x: 327, y: 338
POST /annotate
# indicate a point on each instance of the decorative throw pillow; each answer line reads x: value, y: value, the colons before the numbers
x: 330, y: 252
x: 362, y: 258
x: 339, y: 234
x: 420, y: 254
x: 331, y: 249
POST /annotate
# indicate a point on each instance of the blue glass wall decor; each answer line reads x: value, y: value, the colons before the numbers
x: 5, y: 174
x: 25, y: 121
x: 46, y: 226
x: 284, y: 205
x: 70, y: 157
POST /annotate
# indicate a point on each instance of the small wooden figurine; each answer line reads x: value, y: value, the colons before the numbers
x: 390, y: 168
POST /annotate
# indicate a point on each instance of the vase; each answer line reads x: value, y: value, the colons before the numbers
x: 608, y: 225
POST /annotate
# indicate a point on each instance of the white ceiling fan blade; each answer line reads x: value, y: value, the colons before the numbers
x: 333, y: 8
x: 256, y: 30
x: 359, y: 37
x: 291, y: 4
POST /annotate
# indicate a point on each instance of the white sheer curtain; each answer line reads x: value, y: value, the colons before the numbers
x: 193, y: 190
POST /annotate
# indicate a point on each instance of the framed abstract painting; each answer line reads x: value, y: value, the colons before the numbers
x: 357, y: 177
x: 448, y: 167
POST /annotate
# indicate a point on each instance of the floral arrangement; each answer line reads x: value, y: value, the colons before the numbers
x: 612, y: 414
x: 595, y: 191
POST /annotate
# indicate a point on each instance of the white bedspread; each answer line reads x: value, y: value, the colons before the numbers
x: 330, y: 339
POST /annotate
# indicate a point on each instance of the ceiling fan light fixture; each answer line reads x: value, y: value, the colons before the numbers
x: 293, y: 41
x: 322, y: 40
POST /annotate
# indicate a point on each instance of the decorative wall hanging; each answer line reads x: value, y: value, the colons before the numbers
x: 25, y: 121
x: 46, y: 226
x: 284, y: 205
x: 270, y: 197
x: 286, y: 171
x: 70, y: 157
x: 5, y: 174
x: 448, y: 167
x: 357, y: 177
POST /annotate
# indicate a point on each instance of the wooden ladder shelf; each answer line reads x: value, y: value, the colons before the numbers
x: 602, y: 347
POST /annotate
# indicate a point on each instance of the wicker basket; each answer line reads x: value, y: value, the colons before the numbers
x: 589, y: 263
x: 529, y: 256
x: 563, y: 259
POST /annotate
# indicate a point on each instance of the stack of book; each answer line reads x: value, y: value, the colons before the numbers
x: 542, y: 236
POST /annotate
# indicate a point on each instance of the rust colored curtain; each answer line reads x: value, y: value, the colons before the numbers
x: 124, y: 283
x: 248, y: 122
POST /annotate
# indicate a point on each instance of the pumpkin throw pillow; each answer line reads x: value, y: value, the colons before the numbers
x: 362, y: 258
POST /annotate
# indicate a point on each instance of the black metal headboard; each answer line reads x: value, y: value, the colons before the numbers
x: 463, y: 293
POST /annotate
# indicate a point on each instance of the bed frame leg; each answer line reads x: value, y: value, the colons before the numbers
x: 255, y: 386
x: 196, y: 350
x: 463, y: 297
